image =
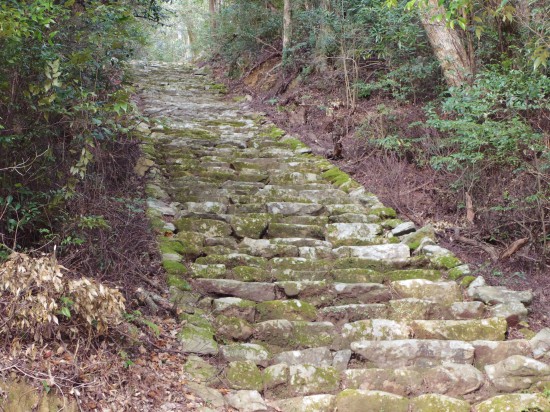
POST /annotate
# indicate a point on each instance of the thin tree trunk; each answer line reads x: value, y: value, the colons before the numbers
x: 287, y: 29
x: 321, y: 61
x: 447, y: 45
x: 212, y: 9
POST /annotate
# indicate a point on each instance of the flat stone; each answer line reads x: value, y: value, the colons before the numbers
x: 210, y: 396
x: 358, y: 275
x: 444, y: 293
x: 312, y: 403
x: 206, y: 207
x: 493, y: 295
x: 207, y: 271
x: 436, y: 251
x: 353, y: 312
x: 310, y: 380
x: 540, y: 344
x: 275, y: 332
x: 317, y: 293
x: 354, y: 218
x: 517, y: 372
x: 285, y: 309
x: 315, y: 253
x: 403, y: 229
x: 276, y: 377
x: 294, y: 209
x: 453, y: 379
x: 301, y: 242
x: 246, y: 401
x: 514, y: 402
x: 255, y: 291
x: 197, y: 340
x: 413, y: 352
x: 490, y: 352
x: 313, y: 356
x: 374, y: 330
x: 467, y: 310
x: 386, y: 253
x: 245, y: 352
x: 412, y: 308
x: 513, y: 311
x: 342, y: 234
x: 235, y: 307
x: 401, y: 382
x: 207, y: 227
x: 282, y: 230
x: 435, y: 402
x: 252, y: 225
x: 243, y: 375
x: 266, y: 249
x: 361, y: 292
x: 199, y: 369
x: 466, y: 330
x: 358, y: 400
x: 161, y: 207
x: 232, y: 328
x: 414, y: 240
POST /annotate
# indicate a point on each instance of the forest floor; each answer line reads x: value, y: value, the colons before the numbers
x: 306, y: 110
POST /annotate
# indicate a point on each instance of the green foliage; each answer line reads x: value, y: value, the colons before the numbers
x: 63, y: 102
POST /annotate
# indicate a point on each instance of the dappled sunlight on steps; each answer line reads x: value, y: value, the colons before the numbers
x: 299, y: 289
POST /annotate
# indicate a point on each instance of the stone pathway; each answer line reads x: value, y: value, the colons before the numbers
x: 299, y: 290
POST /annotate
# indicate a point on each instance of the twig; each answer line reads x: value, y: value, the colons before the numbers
x: 491, y: 251
x: 514, y: 247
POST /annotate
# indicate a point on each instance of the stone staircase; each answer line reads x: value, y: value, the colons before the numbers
x: 299, y: 290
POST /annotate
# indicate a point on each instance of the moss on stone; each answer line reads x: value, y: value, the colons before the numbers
x: 438, y: 403
x: 174, y: 268
x: 272, y: 132
x: 244, y: 375
x: 250, y: 274
x: 293, y: 143
x: 355, y: 400
x: 357, y: 275
x: 391, y: 223
x: 224, y: 122
x: 206, y: 227
x: 336, y: 176
x: 383, y: 212
x: 233, y: 260
x: 232, y: 328
x: 428, y: 274
x: 467, y: 330
x: 219, y: 87
x: 466, y: 280
x: 286, y: 309
x: 190, y: 133
x: 216, y: 271
x: 252, y: 225
x: 177, y: 282
x: 197, y: 319
x: 445, y: 262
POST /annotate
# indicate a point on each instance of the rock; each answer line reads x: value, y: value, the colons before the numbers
x: 428, y: 274
x: 315, y: 253
x: 489, y: 352
x: 437, y: 403
x: 207, y: 271
x: 444, y: 293
x: 467, y: 310
x: 275, y: 332
x: 353, y: 312
x: 459, y: 271
x: 341, y: 234
x: 246, y: 401
x: 245, y: 352
x: 198, y: 340
x: 312, y: 403
x: 313, y: 356
x: 257, y: 291
x: 466, y: 330
x: 341, y: 359
x: 283, y: 230
x: 244, y: 375
x: 403, y: 229
x: 161, y: 207
x: 493, y: 295
x: 361, y: 292
x: 414, y: 352
x: 387, y: 253
x: 354, y: 218
x: 210, y: 396
x: 19, y: 396
x: 513, y: 311
x: 357, y: 400
x: 294, y: 209
x: 276, y: 376
x: 373, y: 330
x: 310, y: 380
x: 453, y: 379
x: 412, y: 308
x: 397, y: 381
x: 514, y: 402
x: 207, y: 227
x: 517, y: 372
x: 436, y: 251
x: 200, y: 370
x: 206, y: 207
x: 540, y: 344
x: 358, y: 275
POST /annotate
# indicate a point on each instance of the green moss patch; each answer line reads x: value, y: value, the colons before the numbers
x: 286, y: 309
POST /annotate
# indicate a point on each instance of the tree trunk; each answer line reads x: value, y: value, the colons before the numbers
x: 287, y: 29
x: 447, y: 45
x: 321, y: 61
x: 212, y: 9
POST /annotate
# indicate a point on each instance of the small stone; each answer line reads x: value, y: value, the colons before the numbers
x: 246, y: 401
x: 341, y: 234
x: 517, y: 372
x: 493, y: 295
x: 420, y: 238
x: 211, y: 396
x: 436, y: 251
x: 453, y: 379
x: 387, y: 253
x: 403, y: 229
x: 459, y: 271
x: 198, y: 340
x: 256, y: 291
x: 199, y: 370
x: 467, y: 310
